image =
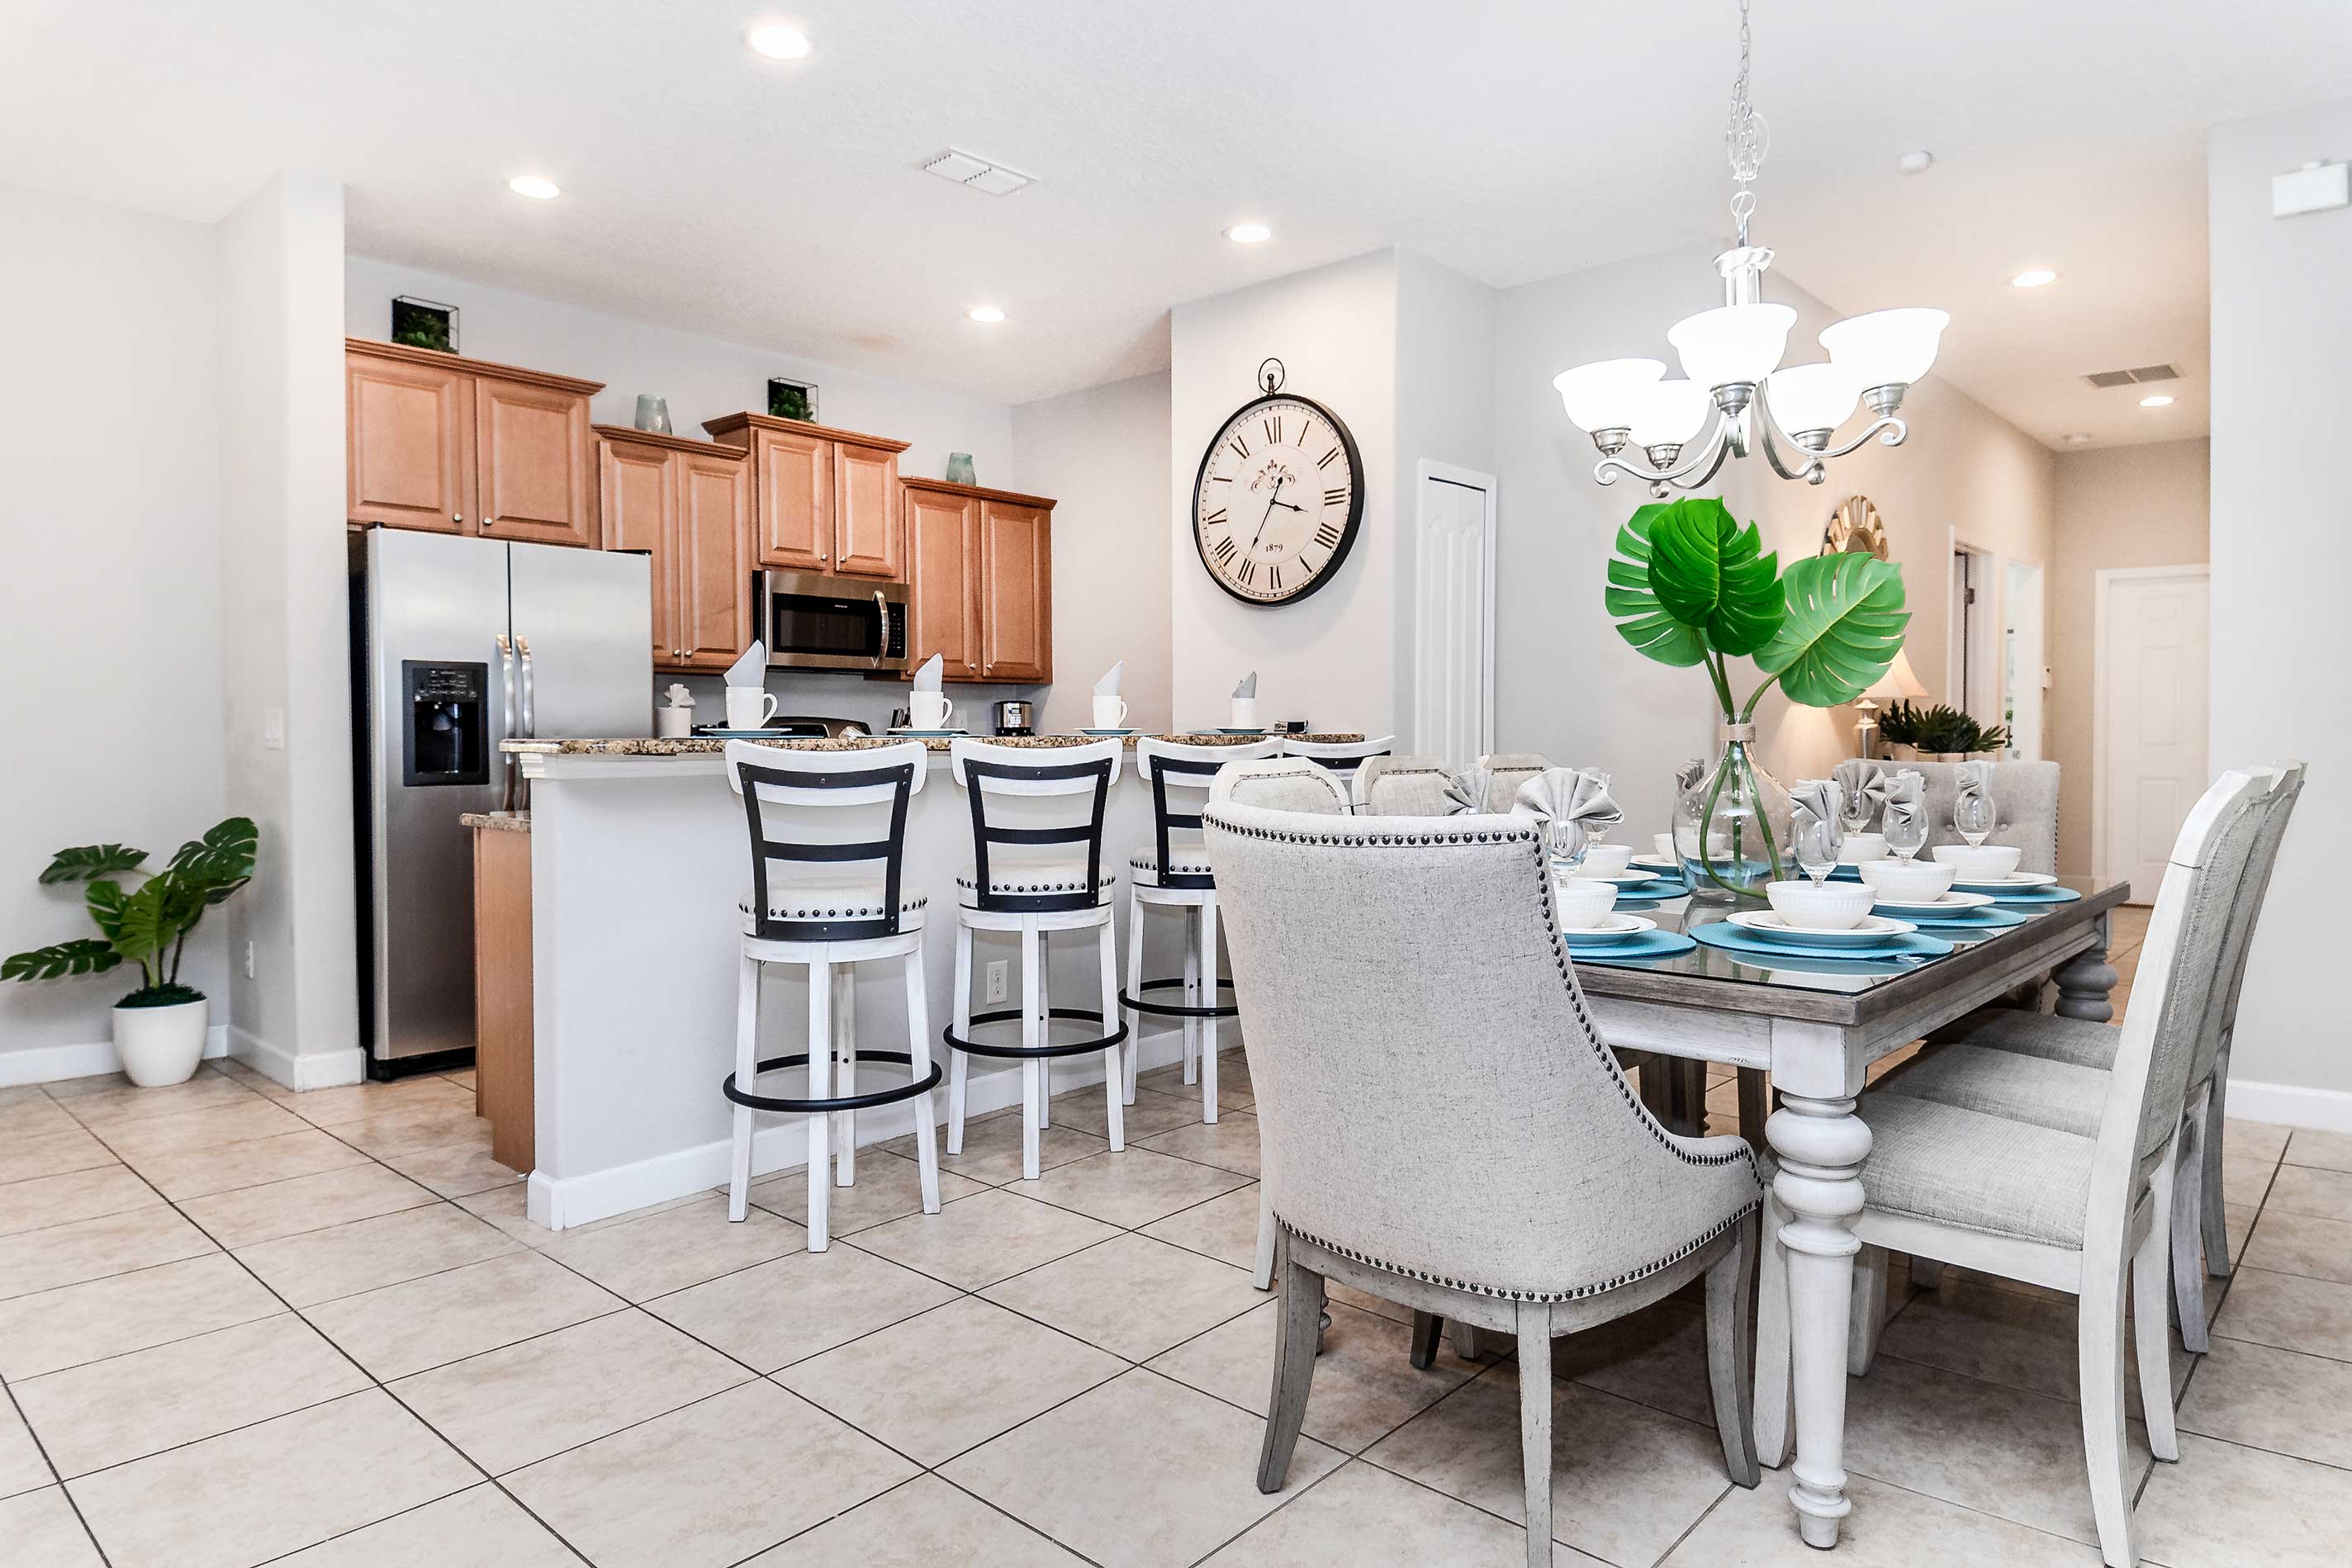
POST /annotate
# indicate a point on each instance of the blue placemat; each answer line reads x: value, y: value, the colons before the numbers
x: 1978, y: 918
x: 1644, y: 945
x: 1739, y: 939
x: 2053, y: 894
x: 1654, y: 892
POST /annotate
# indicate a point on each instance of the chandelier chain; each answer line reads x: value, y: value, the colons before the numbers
x: 1745, y: 138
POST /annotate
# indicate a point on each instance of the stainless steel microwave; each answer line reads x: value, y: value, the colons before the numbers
x: 811, y: 622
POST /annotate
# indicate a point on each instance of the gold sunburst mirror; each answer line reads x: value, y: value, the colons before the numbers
x: 1855, y: 527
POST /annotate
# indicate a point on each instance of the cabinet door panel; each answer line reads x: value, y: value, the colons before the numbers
x: 941, y: 561
x: 795, y: 500
x: 1016, y: 604
x: 865, y: 525
x: 640, y: 510
x: 409, y: 445
x: 538, y: 478
x: 714, y: 560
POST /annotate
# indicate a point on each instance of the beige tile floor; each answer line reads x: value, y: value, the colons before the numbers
x: 240, y: 1326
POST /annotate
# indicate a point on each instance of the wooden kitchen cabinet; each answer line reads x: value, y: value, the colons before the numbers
x: 463, y: 446
x: 823, y: 499
x: 979, y: 581
x: 688, y: 503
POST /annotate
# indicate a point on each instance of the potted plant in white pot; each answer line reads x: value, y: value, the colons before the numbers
x: 159, y: 1028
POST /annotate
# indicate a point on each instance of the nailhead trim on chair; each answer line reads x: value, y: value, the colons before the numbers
x: 1075, y: 885
x: 907, y: 905
x: 1578, y: 1293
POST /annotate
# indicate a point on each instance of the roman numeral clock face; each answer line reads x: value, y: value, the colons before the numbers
x: 1277, y: 501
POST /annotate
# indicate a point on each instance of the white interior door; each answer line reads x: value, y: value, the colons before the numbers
x: 2148, y: 756
x: 2024, y: 671
x: 1453, y: 624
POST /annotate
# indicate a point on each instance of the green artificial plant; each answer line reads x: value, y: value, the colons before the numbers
x: 148, y: 923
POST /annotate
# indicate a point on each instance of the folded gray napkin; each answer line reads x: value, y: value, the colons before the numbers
x: 1687, y: 776
x: 1866, y: 794
x: 1974, y: 779
x: 1466, y: 790
x: 1820, y: 797
x: 1905, y: 794
x: 1248, y: 686
x: 1574, y: 802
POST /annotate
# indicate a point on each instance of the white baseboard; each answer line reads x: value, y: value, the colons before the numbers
x: 312, y: 1069
x: 49, y: 1063
x: 2325, y: 1110
x: 783, y: 1143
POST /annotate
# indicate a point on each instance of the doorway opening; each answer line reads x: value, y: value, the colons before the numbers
x: 1453, y: 614
x: 1972, y: 685
x: 2024, y: 667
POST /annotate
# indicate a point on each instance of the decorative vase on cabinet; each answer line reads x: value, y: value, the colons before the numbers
x: 1729, y: 827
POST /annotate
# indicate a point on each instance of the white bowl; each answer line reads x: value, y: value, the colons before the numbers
x: 1582, y: 902
x: 1603, y: 861
x: 1861, y: 847
x: 1665, y: 845
x: 1979, y: 862
x: 1830, y: 906
x: 1906, y: 879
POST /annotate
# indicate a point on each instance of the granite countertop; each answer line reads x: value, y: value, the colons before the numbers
x: 698, y: 745
x: 501, y: 821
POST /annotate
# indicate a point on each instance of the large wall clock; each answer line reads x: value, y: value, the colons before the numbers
x: 1278, y: 499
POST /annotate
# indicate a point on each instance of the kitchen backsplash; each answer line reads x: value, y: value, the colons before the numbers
x: 823, y: 695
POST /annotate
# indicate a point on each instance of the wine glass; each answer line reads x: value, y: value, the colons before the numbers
x: 1972, y: 816
x: 1907, y: 830
x: 1816, y: 846
x: 1855, y: 810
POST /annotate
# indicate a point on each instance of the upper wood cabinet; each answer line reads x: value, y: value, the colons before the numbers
x: 980, y: 581
x: 465, y: 446
x: 823, y: 499
x: 688, y: 503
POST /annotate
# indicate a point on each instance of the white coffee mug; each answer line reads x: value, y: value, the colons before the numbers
x: 1244, y: 712
x: 1110, y: 713
x: 929, y: 710
x: 749, y: 707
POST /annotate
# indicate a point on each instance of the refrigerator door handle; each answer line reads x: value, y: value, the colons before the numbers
x: 508, y: 761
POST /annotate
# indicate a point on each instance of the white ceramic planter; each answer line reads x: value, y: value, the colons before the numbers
x: 161, y: 1045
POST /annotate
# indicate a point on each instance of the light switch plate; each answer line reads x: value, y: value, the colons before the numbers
x: 2314, y: 188
x: 273, y: 729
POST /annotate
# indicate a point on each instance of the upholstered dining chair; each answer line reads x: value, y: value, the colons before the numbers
x: 2082, y: 1213
x: 1505, y: 771
x: 2024, y: 803
x: 1440, y: 1125
x: 1400, y: 786
x: 2061, y: 1078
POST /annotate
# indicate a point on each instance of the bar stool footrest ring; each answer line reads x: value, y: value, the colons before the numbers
x: 1169, y: 1009
x: 890, y: 1096
x: 1026, y: 1053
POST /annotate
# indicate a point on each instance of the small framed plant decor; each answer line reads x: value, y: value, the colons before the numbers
x: 422, y: 324
x: 791, y: 400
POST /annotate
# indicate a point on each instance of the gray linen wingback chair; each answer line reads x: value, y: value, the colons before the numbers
x: 1440, y: 1125
x: 2024, y: 804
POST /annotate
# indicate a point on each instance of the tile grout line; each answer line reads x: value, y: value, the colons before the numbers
x: 55, y: 1479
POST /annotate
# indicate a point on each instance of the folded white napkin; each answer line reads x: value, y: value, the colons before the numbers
x: 752, y: 669
x: 1108, y: 685
x: 1466, y: 790
x: 1975, y: 777
x: 1576, y: 804
x: 1248, y: 688
x: 926, y: 679
x: 679, y: 696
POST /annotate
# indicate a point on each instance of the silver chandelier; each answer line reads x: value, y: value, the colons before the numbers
x: 1731, y: 365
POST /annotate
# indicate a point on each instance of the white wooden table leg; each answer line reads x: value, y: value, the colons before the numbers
x: 845, y: 1030
x: 1208, y: 999
x: 2084, y: 981
x: 959, y: 1063
x: 747, y: 1078
x: 1822, y: 1146
x: 820, y: 1124
x: 1114, y: 1096
x: 1045, y: 1029
x: 1135, y: 977
x: 1033, y: 1099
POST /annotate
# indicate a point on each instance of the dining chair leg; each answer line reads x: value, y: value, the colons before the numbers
x: 1114, y: 1095
x: 2188, y: 1221
x: 820, y: 1125
x: 1208, y: 999
x: 1033, y: 1103
x: 845, y: 1030
x: 1298, y: 1335
x: 2099, y: 1354
x: 1731, y: 1354
x: 1262, y: 1272
x: 747, y: 1073
x: 1426, y: 1328
x: 1191, y: 921
x: 1464, y: 1337
x: 2150, y: 1341
x: 1774, y: 1391
x: 1926, y: 1273
x: 1534, y: 1425
x: 1045, y: 1029
x: 2215, y: 1213
x: 1755, y: 1106
x: 918, y: 1049
x: 1135, y: 983
x: 1869, y: 1313
x: 958, y: 1062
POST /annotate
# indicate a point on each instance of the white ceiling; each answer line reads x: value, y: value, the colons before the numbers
x: 781, y: 203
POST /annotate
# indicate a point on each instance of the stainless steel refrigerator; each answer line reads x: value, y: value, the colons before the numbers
x: 457, y: 644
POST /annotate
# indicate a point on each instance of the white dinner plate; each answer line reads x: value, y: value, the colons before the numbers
x: 1656, y: 863
x: 2014, y: 882
x: 1610, y: 928
x: 1870, y: 929
x: 1945, y: 904
x: 1626, y: 883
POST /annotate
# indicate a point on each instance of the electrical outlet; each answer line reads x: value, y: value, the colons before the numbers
x: 249, y: 960
x: 998, y: 978
x: 273, y: 729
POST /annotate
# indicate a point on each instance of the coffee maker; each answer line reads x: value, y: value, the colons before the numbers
x: 1015, y: 718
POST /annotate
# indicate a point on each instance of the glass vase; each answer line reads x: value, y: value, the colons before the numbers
x: 1732, y: 826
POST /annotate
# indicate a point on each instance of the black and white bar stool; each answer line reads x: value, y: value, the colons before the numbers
x: 1340, y: 757
x: 1174, y: 874
x: 828, y: 891
x: 1037, y: 868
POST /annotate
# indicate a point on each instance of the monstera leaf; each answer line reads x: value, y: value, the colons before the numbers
x: 221, y: 861
x: 1641, y: 619
x: 1843, y: 627
x: 84, y: 956
x: 1710, y: 573
x: 91, y: 861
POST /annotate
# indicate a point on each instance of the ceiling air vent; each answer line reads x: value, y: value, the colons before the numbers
x: 2134, y: 377
x: 975, y: 172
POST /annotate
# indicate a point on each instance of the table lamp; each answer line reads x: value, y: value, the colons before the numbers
x: 1897, y: 684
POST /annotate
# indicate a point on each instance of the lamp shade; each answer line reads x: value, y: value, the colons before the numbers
x: 1811, y: 397
x: 1897, y: 684
x: 1732, y: 343
x: 1604, y: 394
x: 1668, y: 413
x: 1886, y: 348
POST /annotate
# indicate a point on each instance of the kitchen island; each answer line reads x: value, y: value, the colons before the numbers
x: 638, y: 857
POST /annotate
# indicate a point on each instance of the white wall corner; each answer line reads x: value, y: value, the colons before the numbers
x: 311, y: 1070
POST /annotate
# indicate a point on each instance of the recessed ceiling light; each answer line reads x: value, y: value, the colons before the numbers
x: 990, y: 313
x: 1916, y: 162
x: 2077, y: 439
x: 777, y: 41
x: 537, y: 188
x: 1249, y: 234
x: 2034, y: 279
x: 2160, y: 400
